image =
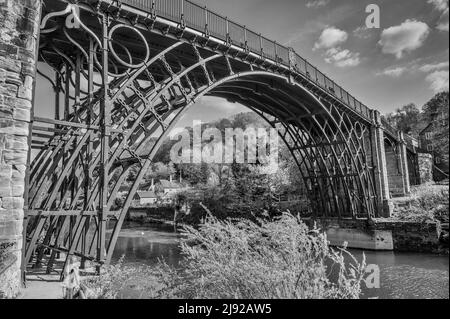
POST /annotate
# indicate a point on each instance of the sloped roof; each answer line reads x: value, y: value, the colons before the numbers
x: 426, y: 128
x: 147, y: 194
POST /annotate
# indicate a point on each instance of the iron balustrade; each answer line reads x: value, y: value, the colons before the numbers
x: 201, y: 19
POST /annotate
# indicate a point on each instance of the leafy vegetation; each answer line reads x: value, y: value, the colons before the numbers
x: 412, y: 121
x: 282, y: 258
x: 407, y: 119
x: 427, y: 203
x: 437, y: 110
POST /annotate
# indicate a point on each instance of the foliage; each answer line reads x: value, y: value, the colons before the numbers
x: 406, y: 119
x: 428, y: 203
x: 244, y: 260
x: 437, y: 111
x: 410, y: 120
x: 280, y: 259
x: 122, y: 281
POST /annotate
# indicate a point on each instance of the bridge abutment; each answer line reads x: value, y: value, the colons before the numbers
x: 19, y: 26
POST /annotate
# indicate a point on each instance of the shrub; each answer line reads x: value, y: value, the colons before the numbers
x: 428, y: 203
x: 244, y: 260
x: 280, y: 259
x: 121, y: 281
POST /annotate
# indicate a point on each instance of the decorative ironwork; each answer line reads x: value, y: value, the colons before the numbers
x: 128, y: 75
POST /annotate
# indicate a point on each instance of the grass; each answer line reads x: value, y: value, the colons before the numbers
x: 243, y: 260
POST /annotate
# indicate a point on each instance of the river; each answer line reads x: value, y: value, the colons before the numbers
x: 402, y: 275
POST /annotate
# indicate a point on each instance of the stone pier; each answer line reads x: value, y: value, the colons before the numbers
x: 381, y: 170
x: 19, y: 28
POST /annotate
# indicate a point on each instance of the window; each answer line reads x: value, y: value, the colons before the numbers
x: 428, y: 136
x: 430, y: 148
x: 437, y: 160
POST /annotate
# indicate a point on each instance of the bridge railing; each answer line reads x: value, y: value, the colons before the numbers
x: 203, y: 20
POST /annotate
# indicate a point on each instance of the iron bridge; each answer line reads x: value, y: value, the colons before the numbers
x: 124, y: 72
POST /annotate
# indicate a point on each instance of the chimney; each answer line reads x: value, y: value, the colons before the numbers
x: 170, y: 178
x: 152, y: 187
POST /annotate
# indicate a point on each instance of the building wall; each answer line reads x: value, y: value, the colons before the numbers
x: 19, y: 25
x: 146, y: 201
x: 426, y: 138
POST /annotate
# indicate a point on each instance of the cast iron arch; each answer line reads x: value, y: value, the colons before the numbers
x: 115, y: 107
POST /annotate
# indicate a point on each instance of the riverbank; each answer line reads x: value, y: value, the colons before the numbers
x: 380, y: 234
x: 419, y: 223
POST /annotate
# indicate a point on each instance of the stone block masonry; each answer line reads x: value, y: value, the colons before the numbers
x: 382, y: 234
x: 19, y: 31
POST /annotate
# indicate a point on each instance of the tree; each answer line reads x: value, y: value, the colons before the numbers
x: 436, y: 111
x: 406, y: 119
x: 161, y: 170
x: 132, y: 174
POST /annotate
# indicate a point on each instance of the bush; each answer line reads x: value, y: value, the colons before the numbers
x: 121, y: 281
x: 428, y: 203
x: 242, y: 260
x: 280, y: 259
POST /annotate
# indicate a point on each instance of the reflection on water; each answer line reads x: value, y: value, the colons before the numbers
x: 144, y: 245
x: 403, y: 275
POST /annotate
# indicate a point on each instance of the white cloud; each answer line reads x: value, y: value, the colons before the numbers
x: 443, y: 22
x: 443, y: 26
x: 434, y: 67
x: 342, y: 58
x: 317, y: 3
x: 330, y: 41
x: 406, y: 37
x: 331, y: 37
x: 438, y: 81
x: 442, y: 6
x: 394, y: 72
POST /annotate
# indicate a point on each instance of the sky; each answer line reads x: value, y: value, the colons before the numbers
x: 405, y: 60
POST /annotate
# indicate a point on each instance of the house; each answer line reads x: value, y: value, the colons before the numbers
x: 162, y: 192
x: 146, y: 198
x: 170, y: 188
x: 426, y: 137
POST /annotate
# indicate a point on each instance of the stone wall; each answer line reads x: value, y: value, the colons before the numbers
x: 425, y: 167
x: 413, y: 236
x: 19, y: 25
x: 382, y: 234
